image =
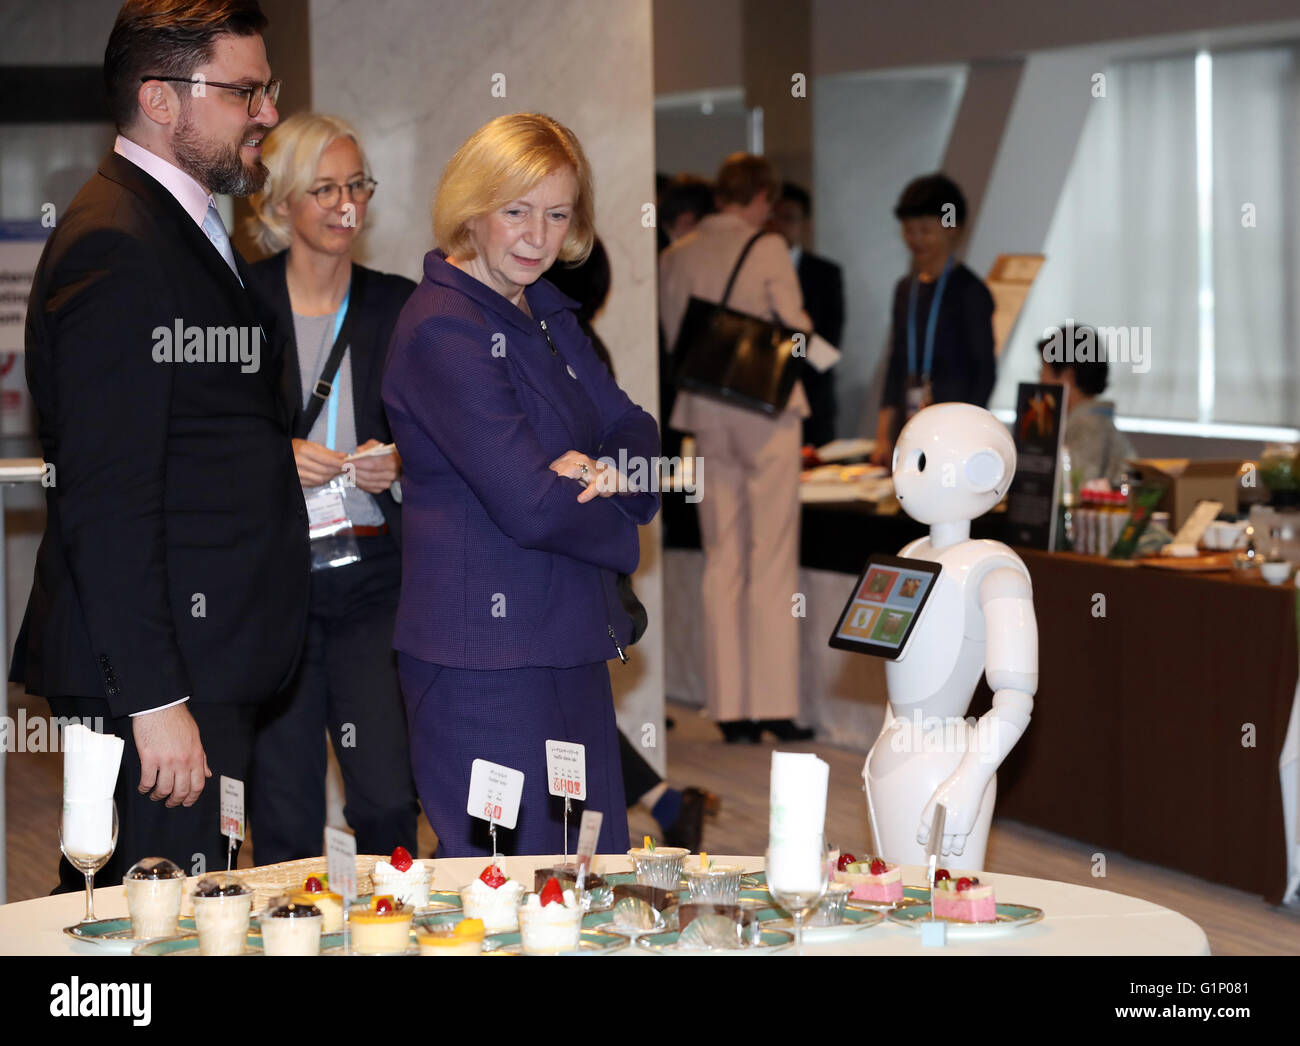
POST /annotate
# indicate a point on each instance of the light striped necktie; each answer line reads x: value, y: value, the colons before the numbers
x: 216, y: 232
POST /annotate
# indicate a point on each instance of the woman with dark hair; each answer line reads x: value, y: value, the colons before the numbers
x: 1098, y: 450
x: 941, y: 344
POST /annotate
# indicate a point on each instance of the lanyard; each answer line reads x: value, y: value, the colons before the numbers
x: 930, y: 324
x: 332, y: 416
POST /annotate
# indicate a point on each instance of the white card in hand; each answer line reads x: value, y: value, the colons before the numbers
x: 341, y: 860
x: 232, y: 807
x: 566, y: 769
x: 822, y: 355
x: 495, y: 792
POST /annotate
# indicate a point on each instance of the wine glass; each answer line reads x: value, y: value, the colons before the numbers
x: 73, y: 822
x: 797, y: 880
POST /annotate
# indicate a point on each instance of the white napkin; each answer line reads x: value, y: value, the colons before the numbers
x: 797, y: 820
x: 90, y: 766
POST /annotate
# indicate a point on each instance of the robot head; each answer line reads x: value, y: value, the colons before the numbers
x: 952, y: 462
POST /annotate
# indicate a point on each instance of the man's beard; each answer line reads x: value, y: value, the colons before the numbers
x: 217, y: 167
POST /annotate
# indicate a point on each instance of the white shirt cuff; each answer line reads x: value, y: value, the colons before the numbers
x: 172, y: 704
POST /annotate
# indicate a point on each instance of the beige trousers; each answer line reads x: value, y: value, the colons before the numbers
x: 749, y: 528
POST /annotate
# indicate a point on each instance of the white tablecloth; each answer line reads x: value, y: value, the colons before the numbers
x: 1077, y: 921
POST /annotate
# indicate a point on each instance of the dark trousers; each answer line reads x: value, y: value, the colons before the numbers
x: 638, y: 775
x: 190, y: 836
x: 346, y: 683
x: 506, y: 716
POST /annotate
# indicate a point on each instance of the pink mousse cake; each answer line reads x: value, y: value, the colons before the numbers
x: 874, y: 880
x: 964, y: 899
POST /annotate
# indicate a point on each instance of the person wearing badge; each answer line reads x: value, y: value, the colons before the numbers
x: 334, y: 318
x: 941, y: 341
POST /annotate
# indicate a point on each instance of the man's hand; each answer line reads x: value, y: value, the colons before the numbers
x: 375, y: 475
x: 602, y: 481
x: 173, y: 765
x: 317, y: 464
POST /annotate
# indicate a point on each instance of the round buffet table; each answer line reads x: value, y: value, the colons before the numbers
x: 1077, y: 920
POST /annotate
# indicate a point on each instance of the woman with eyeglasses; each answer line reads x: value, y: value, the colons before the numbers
x: 330, y: 320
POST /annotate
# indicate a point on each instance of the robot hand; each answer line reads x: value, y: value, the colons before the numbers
x: 961, y: 794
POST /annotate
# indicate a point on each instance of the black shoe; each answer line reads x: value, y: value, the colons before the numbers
x: 741, y: 731
x: 688, y: 829
x: 786, y: 730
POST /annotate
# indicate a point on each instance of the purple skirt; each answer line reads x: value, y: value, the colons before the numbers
x: 506, y: 716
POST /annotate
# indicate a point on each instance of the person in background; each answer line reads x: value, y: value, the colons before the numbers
x: 311, y: 212
x: 749, y: 509
x: 514, y: 532
x: 679, y: 813
x: 683, y: 200
x: 1098, y: 450
x: 822, y: 284
x: 941, y: 341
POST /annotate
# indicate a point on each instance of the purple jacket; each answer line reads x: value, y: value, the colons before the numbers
x: 501, y: 566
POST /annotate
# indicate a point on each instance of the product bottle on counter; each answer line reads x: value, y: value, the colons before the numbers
x: 1085, y: 522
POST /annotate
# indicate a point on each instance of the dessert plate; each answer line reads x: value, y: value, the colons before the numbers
x: 604, y: 921
x: 666, y: 944
x: 855, y: 920
x: 591, y: 942
x: 1010, y: 917
x: 439, y: 901
x: 188, y: 944
x: 113, y: 932
x: 911, y: 895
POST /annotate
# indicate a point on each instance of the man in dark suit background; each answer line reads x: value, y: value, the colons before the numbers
x: 170, y: 590
x: 822, y: 284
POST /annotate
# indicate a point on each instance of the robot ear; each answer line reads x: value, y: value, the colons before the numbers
x: 984, y: 471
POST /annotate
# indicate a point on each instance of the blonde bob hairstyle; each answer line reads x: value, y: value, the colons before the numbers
x: 502, y: 161
x: 292, y: 153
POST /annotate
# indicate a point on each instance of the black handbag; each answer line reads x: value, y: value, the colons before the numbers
x: 633, y: 606
x: 734, y: 357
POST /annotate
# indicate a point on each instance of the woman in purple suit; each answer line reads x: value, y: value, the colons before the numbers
x: 514, y: 530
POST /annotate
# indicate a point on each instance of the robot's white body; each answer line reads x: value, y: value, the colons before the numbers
x: 979, y: 619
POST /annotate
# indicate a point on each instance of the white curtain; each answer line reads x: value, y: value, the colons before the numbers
x: 1255, y: 265
x: 1121, y: 250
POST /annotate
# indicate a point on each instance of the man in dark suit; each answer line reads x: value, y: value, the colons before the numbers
x: 170, y: 591
x: 822, y: 284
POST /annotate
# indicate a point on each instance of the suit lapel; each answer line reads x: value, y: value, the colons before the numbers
x: 173, y: 217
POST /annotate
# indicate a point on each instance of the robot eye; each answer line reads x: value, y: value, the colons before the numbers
x: 920, y: 462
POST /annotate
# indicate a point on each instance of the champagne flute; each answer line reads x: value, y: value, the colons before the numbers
x: 797, y: 880
x: 87, y: 863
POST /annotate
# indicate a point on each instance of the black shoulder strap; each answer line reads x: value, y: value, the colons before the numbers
x: 325, y: 383
x: 739, y: 262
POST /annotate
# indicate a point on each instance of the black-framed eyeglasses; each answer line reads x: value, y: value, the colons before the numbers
x: 359, y: 191
x: 257, y: 93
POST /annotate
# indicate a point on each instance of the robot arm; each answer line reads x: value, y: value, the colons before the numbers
x: 1011, y: 668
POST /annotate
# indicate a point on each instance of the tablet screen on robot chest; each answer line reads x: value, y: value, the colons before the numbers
x: 887, y: 602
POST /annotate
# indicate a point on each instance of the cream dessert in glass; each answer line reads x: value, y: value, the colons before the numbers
x: 222, y: 905
x: 154, y: 888
x: 550, y: 921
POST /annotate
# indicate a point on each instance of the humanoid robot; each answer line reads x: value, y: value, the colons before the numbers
x: 952, y: 463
